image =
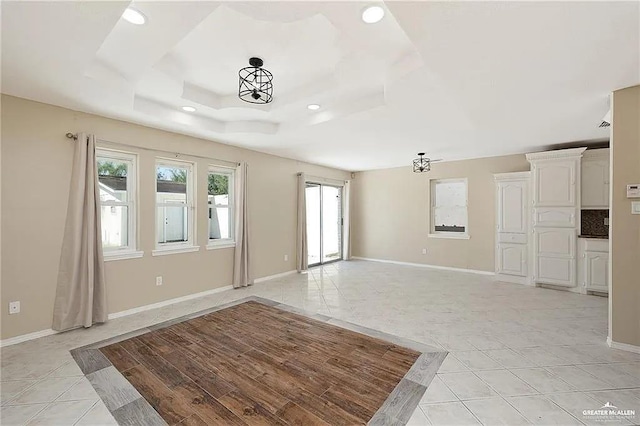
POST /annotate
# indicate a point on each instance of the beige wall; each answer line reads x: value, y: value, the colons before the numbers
x: 391, y: 213
x: 36, y: 161
x: 625, y: 227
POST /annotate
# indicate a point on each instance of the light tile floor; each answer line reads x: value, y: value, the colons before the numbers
x: 518, y: 355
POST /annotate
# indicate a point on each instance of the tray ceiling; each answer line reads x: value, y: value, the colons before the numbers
x: 453, y: 79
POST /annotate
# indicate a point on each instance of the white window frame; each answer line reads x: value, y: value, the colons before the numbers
x: 223, y: 242
x: 432, y: 204
x: 130, y: 251
x: 180, y: 246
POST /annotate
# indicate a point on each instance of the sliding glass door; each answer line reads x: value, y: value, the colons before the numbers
x: 324, y: 223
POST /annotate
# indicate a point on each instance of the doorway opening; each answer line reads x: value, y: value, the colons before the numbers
x: 324, y: 223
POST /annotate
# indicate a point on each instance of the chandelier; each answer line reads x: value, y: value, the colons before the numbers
x: 422, y: 164
x: 256, y: 83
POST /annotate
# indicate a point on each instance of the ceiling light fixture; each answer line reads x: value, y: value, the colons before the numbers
x: 422, y: 164
x: 189, y: 109
x: 256, y: 83
x: 134, y: 16
x: 372, y: 14
x: 313, y: 107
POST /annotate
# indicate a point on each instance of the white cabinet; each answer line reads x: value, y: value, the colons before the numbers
x: 512, y: 259
x: 555, y: 250
x: 556, y: 205
x: 595, y: 179
x: 512, y: 226
x: 597, y: 271
x: 556, y: 242
x: 555, y: 271
x: 593, y: 265
x: 512, y: 199
x: 554, y: 183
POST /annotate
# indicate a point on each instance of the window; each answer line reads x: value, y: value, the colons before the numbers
x: 449, y: 208
x: 220, y: 206
x: 117, y: 186
x: 174, y: 207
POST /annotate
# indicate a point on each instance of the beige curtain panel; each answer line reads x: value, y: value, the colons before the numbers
x: 241, y: 265
x: 302, y: 260
x: 81, y: 299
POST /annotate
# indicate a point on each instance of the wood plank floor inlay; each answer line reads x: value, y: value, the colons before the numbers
x: 259, y: 365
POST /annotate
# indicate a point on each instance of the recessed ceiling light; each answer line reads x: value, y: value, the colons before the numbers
x: 313, y: 107
x: 372, y: 14
x: 134, y: 16
x: 188, y: 108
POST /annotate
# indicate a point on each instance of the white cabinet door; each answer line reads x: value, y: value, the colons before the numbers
x: 556, y: 242
x: 556, y: 271
x: 595, y: 184
x: 555, y: 183
x: 597, y: 271
x: 512, y: 259
x: 512, y: 199
x: 555, y: 256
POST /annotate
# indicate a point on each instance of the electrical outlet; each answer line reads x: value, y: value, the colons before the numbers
x: 158, y: 280
x: 606, y: 221
x: 424, y: 251
x: 14, y: 308
x: 286, y: 257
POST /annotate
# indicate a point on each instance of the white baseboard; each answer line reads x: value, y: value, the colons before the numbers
x: 168, y: 302
x: 424, y: 265
x: 25, y: 337
x: 271, y: 277
x: 43, y: 333
x: 623, y: 346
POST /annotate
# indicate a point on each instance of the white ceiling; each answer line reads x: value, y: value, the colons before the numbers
x: 454, y: 79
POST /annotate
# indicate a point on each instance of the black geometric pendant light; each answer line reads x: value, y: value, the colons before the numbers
x: 423, y: 164
x: 256, y: 83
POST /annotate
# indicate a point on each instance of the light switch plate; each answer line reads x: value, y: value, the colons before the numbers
x: 635, y: 207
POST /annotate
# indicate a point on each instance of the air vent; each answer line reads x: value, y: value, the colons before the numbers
x: 606, y: 120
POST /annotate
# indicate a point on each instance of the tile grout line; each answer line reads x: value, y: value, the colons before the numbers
x: 87, y: 412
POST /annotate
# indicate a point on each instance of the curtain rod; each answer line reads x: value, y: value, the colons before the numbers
x: 75, y: 138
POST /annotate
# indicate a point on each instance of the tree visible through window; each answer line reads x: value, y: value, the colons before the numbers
x: 116, y: 181
x: 174, y: 202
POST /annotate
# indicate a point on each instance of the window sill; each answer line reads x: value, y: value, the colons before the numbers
x: 122, y: 255
x: 221, y: 245
x: 451, y: 236
x: 175, y: 250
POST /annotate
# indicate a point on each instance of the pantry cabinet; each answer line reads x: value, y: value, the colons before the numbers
x: 512, y: 226
x: 556, y: 208
x: 595, y: 179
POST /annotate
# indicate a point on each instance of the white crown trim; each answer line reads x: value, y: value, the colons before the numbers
x: 512, y: 176
x: 560, y: 153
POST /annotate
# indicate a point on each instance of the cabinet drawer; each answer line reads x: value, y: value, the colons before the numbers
x: 563, y: 217
x: 512, y: 238
x: 596, y: 245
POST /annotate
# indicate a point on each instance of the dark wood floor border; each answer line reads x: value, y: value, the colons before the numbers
x: 128, y: 407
